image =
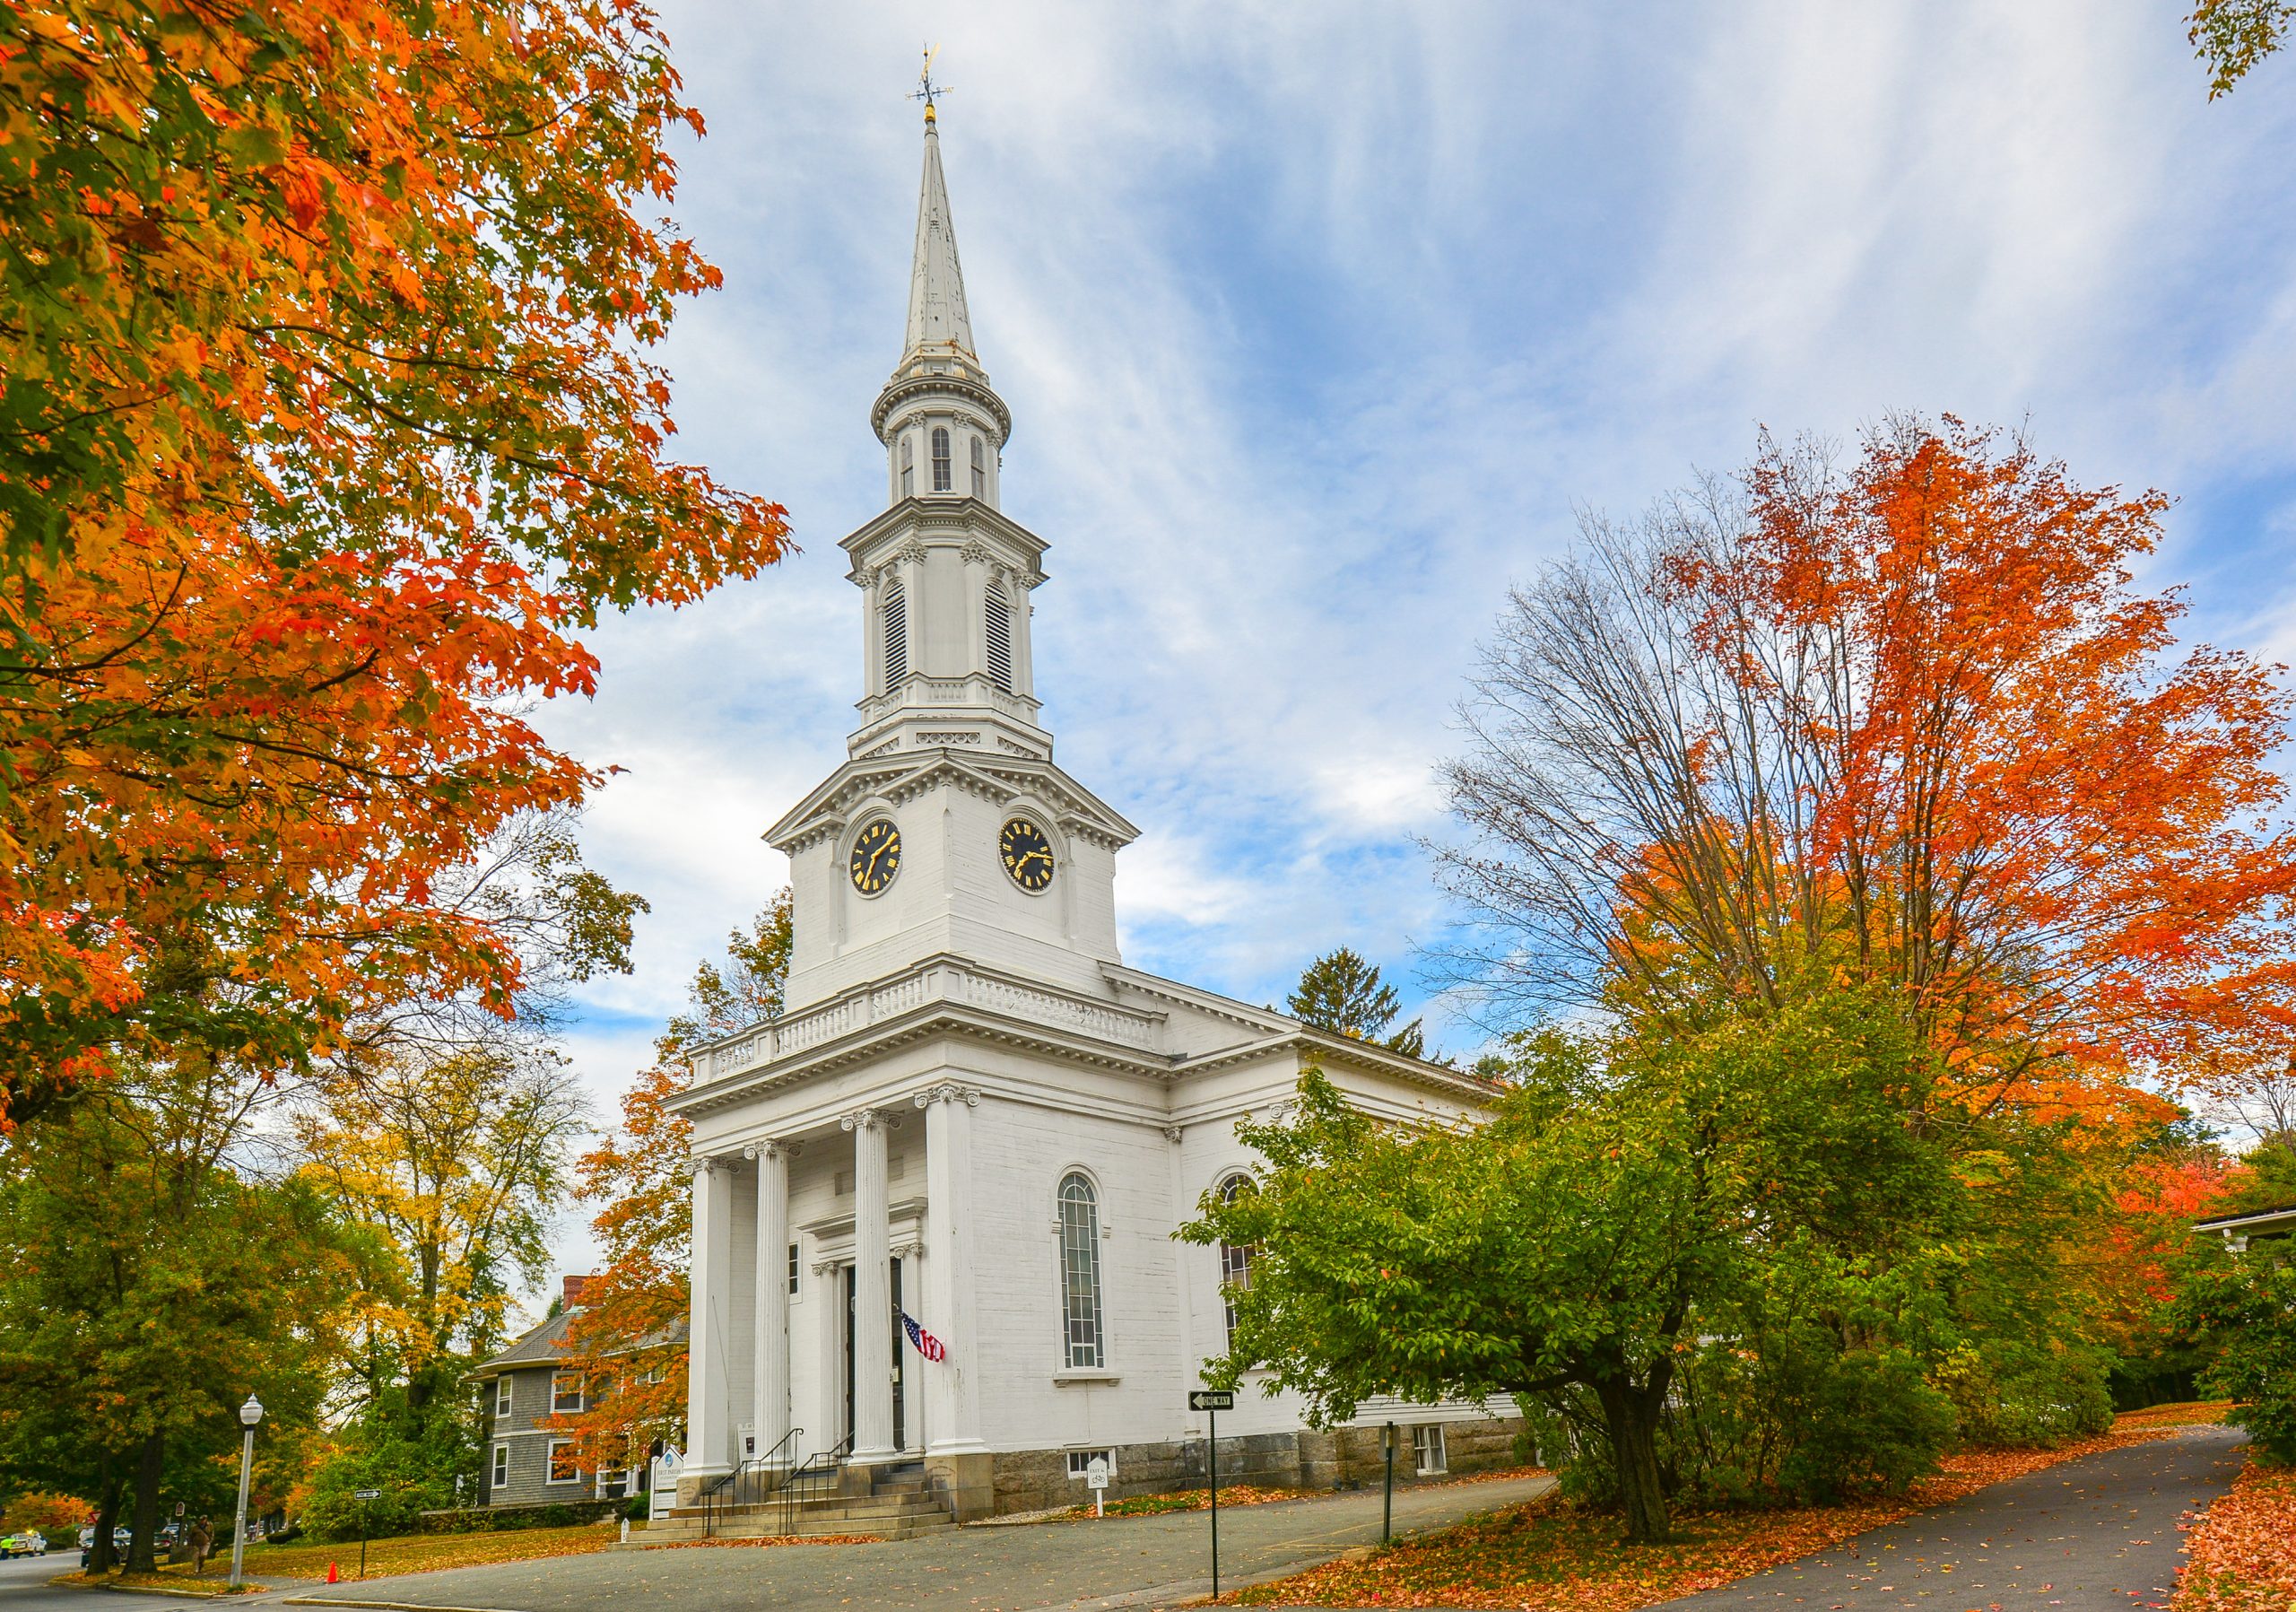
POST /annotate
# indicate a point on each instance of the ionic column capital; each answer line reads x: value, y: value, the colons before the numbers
x: 949, y: 1091
x: 869, y: 1119
x: 772, y: 1149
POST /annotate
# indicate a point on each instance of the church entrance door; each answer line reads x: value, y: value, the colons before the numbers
x: 900, y: 1357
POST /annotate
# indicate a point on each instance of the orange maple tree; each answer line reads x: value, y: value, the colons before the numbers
x: 325, y: 429
x: 1905, y: 723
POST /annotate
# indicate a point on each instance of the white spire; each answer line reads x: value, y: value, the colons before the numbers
x: 937, y: 322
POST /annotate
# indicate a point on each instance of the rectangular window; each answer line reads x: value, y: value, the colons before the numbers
x: 1427, y: 1449
x: 980, y: 469
x: 907, y: 465
x: 565, y: 1396
x: 941, y: 480
x: 501, y: 1466
x: 563, y: 1468
x: 502, y: 1394
x: 793, y: 1268
x: 1080, y: 1463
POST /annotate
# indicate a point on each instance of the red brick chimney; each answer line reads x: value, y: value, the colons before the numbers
x: 573, y: 1290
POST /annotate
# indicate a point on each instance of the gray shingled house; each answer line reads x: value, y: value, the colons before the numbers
x: 526, y: 1464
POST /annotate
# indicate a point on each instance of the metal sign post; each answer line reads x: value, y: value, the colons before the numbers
x: 1388, y: 1499
x: 1096, y: 1476
x: 1211, y: 1401
x: 363, y: 1496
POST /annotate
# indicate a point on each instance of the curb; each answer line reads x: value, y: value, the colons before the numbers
x: 245, y: 1589
x: 321, y: 1600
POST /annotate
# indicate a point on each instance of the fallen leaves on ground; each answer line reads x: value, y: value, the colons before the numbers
x: 772, y: 1539
x: 2185, y: 1413
x: 175, y: 1583
x: 1549, y: 1555
x: 428, y: 1553
x: 1192, y: 1500
x: 2243, y: 1555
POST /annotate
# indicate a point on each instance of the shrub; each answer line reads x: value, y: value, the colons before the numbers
x: 2247, y: 1303
x: 1872, y: 1423
x: 2024, y: 1396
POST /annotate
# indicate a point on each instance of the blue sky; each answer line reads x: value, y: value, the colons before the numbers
x: 1319, y: 321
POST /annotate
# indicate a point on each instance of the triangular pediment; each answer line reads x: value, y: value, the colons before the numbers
x: 902, y: 775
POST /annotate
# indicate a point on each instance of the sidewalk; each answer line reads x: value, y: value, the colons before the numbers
x: 1118, y: 1562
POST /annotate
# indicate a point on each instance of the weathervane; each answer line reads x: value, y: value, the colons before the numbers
x: 926, y: 91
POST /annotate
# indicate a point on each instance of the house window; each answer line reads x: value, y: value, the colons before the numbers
x: 566, y: 1395
x: 896, y: 622
x: 501, y: 1466
x: 1427, y: 1449
x: 980, y: 469
x: 502, y: 1394
x: 1079, y: 1272
x: 1080, y: 1463
x: 942, y: 480
x: 1235, y: 1261
x: 563, y: 1468
x: 907, y: 465
x: 999, y: 615
x: 793, y: 1268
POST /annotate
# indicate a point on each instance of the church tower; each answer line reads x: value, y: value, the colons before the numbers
x: 949, y: 828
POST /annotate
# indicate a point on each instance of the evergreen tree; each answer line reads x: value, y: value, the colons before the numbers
x: 1343, y: 993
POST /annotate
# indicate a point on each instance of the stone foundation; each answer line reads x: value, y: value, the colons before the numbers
x: 1035, y: 1480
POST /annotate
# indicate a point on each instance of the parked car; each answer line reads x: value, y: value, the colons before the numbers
x: 22, y: 1544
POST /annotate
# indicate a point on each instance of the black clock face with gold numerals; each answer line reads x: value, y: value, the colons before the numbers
x: 1028, y: 854
x: 877, y: 856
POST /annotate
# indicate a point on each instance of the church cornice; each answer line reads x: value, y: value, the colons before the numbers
x: 942, y: 520
x: 947, y: 383
x: 943, y: 995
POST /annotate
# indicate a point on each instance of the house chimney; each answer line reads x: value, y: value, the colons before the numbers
x: 573, y: 1292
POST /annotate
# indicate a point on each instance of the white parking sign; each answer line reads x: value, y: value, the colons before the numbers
x: 1096, y: 1475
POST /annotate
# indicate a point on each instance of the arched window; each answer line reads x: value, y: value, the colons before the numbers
x: 980, y: 469
x: 908, y: 465
x: 895, y: 616
x: 1080, y: 1274
x: 1235, y: 1260
x: 942, y: 480
x: 999, y: 616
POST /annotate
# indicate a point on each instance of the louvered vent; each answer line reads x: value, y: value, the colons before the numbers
x: 1000, y: 640
x: 896, y: 637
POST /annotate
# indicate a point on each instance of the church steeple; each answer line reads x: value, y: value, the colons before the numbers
x: 948, y: 577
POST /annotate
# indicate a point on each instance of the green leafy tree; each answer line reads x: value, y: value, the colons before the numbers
x: 1343, y: 993
x: 2244, y: 1304
x: 1626, y: 1198
x: 155, y: 1281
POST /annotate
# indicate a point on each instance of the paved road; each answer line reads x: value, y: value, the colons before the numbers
x: 2095, y: 1535
x: 24, y: 1586
x: 1128, y: 1561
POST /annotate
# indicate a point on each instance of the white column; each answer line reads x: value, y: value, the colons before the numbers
x: 828, y: 1424
x: 873, y: 1298
x: 708, y: 1414
x: 951, y: 1387
x: 769, y: 1377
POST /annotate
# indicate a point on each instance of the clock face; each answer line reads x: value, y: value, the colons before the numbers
x: 1028, y: 854
x: 877, y: 856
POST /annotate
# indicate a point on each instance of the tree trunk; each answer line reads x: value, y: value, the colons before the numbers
x: 1633, y: 1414
x: 101, y: 1556
x: 145, y: 1530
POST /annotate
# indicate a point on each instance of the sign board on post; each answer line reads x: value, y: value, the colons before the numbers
x: 366, y: 1493
x: 1096, y: 1478
x: 1212, y: 1398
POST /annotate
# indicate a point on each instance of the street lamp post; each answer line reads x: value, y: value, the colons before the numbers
x: 250, y: 1415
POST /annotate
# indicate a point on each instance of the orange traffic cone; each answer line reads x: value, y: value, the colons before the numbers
x: 332, y: 1576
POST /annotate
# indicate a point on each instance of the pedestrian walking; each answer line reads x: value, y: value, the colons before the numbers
x: 202, y: 1540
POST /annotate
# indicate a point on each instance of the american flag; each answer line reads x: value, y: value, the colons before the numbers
x: 926, y: 1344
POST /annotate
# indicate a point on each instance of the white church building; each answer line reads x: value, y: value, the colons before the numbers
x: 972, y: 1113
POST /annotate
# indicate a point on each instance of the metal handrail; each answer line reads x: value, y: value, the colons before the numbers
x: 799, y: 1486
x: 748, y: 1484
